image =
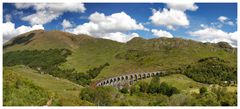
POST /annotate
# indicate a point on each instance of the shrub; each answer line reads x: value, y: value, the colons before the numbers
x: 100, y: 96
x: 124, y: 90
x: 203, y: 90
x: 211, y: 70
x: 19, y: 91
x: 143, y: 86
x: 134, y: 89
x: 154, y: 85
x: 47, y: 61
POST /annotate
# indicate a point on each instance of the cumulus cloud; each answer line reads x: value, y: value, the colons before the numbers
x: 161, y: 33
x: 203, y: 26
x: 9, y: 30
x: 172, y: 16
x: 234, y: 37
x: 120, y: 37
x: 182, y: 6
x: 8, y: 18
x: 214, y: 35
x: 46, y: 12
x: 66, y: 24
x: 109, y: 26
x: 230, y: 23
x: 169, y: 18
x: 216, y: 25
x: 222, y: 19
x: 225, y: 20
x: 115, y: 22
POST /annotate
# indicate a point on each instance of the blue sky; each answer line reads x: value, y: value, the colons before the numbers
x: 206, y: 22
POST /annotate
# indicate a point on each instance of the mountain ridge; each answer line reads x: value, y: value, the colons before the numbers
x: 71, y: 41
x: 136, y: 55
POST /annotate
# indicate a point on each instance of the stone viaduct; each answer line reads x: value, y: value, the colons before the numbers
x: 128, y: 78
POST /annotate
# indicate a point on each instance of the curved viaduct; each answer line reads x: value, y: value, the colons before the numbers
x: 129, y: 78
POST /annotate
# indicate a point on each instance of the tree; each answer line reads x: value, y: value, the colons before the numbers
x: 161, y: 100
x: 164, y: 88
x: 124, y: 90
x: 154, y: 85
x: 134, y: 89
x: 143, y: 86
x: 203, y: 90
x: 174, y: 90
x: 167, y: 89
x: 208, y: 99
x: 224, y: 97
x: 103, y: 96
x: 211, y: 70
x: 100, y: 96
x: 87, y: 94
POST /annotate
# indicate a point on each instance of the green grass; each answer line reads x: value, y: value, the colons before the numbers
x: 151, y: 55
x: 98, y: 51
x: 158, y: 53
x: 19, y: 91
x: 232, y: 89
x: 67, y: 91
x: 142, y: 99
x: 180, y: 81
x: 187, y: 85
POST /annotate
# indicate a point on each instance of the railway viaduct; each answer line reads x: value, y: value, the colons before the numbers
x: 128, y: 78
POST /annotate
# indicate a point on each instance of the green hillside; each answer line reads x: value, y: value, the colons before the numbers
x: 137, y: 55
x: 66, y: 66
x: 62, y: 91
x: 19, y: 91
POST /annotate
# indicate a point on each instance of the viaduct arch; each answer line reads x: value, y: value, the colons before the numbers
x: 129, y: 78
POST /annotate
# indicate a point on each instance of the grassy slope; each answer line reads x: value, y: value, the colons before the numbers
x: 67, y: 91
x: 96, y: 53
x: 45, y: 40
x: 19, y: 91
x: 186, y: 84
x: 161, y: 53
x: 179, y: 81
x: 90, y: 52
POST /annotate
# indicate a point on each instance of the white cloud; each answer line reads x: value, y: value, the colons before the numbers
x: 230, y: 23
x: 203, y: 26
x: 111, y: 27
x: 214, y: 35
x: 86, y: 28
x: 234, y: 38
x: 66, y: 24
x: 182, y: 6
x: 8, y: 18
x: 99, y: 23
x: 169, y: 18
x: 41, y: 17
x: 46, y: 12
x: 115, y: 22
x: 222, y: 19
x: 225, y: 20
x: 23, y: 5
x: 161, y: 33
x: 172, y: 16
x: 9, y: 30
x: 120, y: 37
x: 216, y: 24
